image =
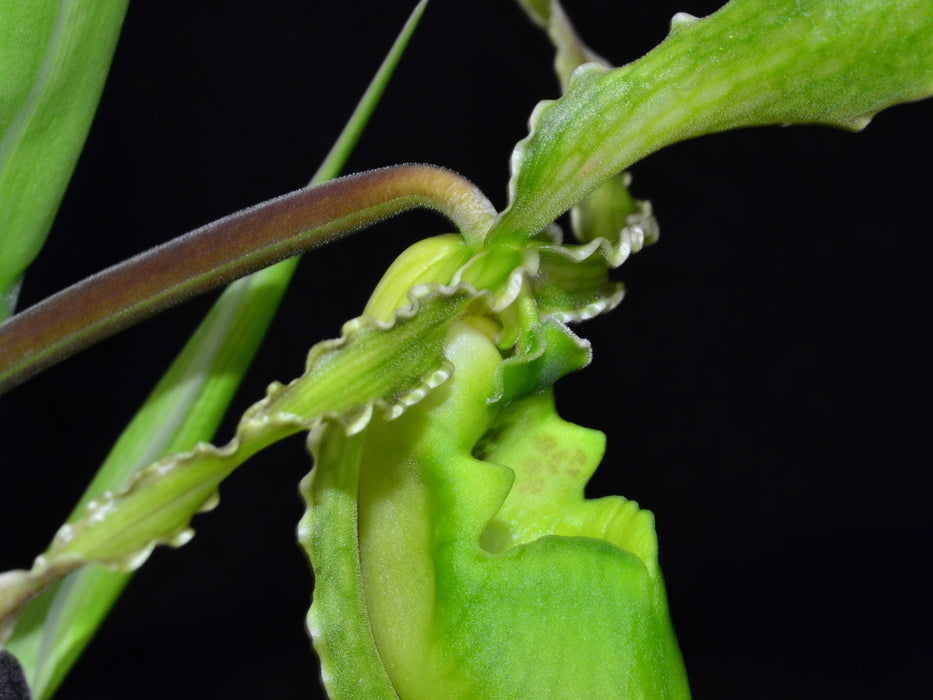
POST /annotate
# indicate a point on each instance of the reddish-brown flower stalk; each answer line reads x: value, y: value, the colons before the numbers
x: 223, y: 251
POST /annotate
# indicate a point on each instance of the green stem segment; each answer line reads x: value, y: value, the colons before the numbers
x: 224, y: 250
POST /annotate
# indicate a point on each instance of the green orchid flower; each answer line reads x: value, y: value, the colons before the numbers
x: 447, y: 308
x: 452, y: 544
x: 453, y: 549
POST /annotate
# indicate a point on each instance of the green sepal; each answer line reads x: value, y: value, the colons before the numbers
x: 433, y: 260
x: 442, y: 560
x: 603, y: 212
x: 502, y: 270
x: 751, y: 63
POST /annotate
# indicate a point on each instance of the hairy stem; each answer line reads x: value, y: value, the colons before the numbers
x: 223, y: 251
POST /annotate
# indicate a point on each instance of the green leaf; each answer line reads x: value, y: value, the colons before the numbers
x: 184, y: 408
x: 54, y: 57
x: 751, y: 63
x: 453, y: 548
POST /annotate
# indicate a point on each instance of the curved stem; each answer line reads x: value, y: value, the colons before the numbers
x: 224, y: 250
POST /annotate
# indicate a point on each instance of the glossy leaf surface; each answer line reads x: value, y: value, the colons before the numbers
x: 54, y: 58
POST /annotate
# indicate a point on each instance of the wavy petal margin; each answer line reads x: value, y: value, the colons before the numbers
x: 572, y: 283
x: 374, y: 366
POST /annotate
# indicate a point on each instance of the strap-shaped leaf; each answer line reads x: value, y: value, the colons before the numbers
x: 751, y: 63
x: 54, y: 58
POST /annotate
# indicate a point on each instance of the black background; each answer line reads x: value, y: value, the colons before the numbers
x: 764, y: 385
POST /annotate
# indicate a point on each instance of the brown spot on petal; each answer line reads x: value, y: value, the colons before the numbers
x: 532, y: 486
x: 532, y: 466
x: 546, y: 443
x: 557, y: 458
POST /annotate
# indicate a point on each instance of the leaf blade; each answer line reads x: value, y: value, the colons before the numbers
x: 55, y: 57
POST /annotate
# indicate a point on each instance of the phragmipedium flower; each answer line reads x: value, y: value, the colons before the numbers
x: 453, y: 547
x: 478, y: 334
x: 454, y: 552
